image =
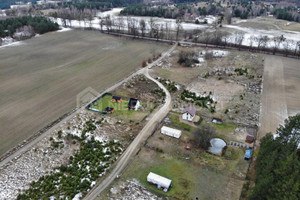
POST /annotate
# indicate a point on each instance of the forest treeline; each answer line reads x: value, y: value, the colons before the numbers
x: 278, y: 164
x: 39, y: 24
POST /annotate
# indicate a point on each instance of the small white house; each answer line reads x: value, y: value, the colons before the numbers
x: 189, y: 113
x: 158, y: 180
x: 170, y: 132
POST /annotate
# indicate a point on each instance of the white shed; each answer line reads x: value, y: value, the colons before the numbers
x: 170, y: 132
x: 159, y: 180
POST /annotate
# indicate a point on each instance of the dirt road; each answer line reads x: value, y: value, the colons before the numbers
x: 281, y: 92
x: 141, y: 137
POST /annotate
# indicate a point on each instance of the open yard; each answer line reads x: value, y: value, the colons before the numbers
x: 281, y: 92
x: 194, y: 173
x: 39, y: 80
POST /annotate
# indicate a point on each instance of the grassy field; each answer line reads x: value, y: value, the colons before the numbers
x: 202, y: 175
x: 40, y: 79
x: 120, y: 109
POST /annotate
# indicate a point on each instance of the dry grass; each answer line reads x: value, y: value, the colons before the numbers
x: 39, y: 80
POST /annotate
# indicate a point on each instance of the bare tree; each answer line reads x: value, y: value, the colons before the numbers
x: 121, y: 23
x: 108, y: 23
x: 264, y: 41
x: 143, y: 27
x: 152, y: 26
x: 167, y: 25
x: 239, y: 38
x: 101, y: 24
x: 297, y: 48
x: 178, y: 27
x: 203, y: 135
x: 287, y: 46
x: 251, y: 41
x: 277, y: 41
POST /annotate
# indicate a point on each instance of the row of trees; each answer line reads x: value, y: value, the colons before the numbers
x: 39, y: 24
x: 278, y: 164
x: 262, y: 42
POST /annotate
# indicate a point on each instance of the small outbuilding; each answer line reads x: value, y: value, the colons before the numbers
x: 248, y: 154
x: 109, y: 110
x: 250, y: 139
x: 170, y: 132
x: 117, y: 99
x: 189, y: 113
x: 217, y: 120
x: 160, y: 181
x: 134, y: 104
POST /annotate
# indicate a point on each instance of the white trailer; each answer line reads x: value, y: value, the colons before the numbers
x: 170, y: 132
x: 158, y: 180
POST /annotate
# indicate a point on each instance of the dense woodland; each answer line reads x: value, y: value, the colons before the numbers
x: 278, y: 164
x: 4, y: 4
x: 39, y: 24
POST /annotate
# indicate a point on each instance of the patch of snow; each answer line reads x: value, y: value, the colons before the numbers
x: 77, y: 196
x: 12, y: 44
x: 64, y: 30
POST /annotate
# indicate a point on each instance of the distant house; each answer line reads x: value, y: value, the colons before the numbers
x: 170, y: 132
x: 133, y: 104
x: 109, y: 110
x: 248, y: 153
x: 216, y: 120
x: 159, y: 181
x: 250, y: 139
x: 117, y: 99
x: 189, y: 113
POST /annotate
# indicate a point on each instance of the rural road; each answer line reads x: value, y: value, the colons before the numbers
x: 141, y: 137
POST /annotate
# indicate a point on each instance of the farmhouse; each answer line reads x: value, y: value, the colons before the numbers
x: 160, y: 181
x: 134, y: 104
x: 189, y: 113
x: 170, y: 132
x: 117, y: 99
x: 216, y: 120
x: 109, y: 110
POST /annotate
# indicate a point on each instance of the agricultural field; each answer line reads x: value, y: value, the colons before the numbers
x: 281, y: 92
x: 40, y: 78
x: 67, y: 152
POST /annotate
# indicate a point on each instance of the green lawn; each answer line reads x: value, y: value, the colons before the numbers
x: 120, y: 109
x: 175, y: 121
x: 178, y: 171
